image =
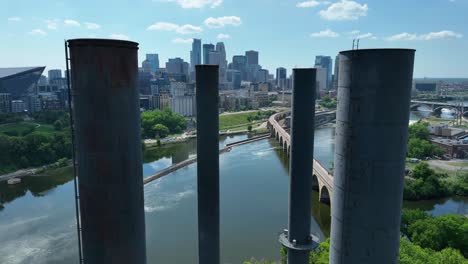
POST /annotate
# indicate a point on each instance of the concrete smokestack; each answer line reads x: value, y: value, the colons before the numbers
x: 298, y: 239
x: 374, y: 89
x: 208, y: 163
x: 108, y: 138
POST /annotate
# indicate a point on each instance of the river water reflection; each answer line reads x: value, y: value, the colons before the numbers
x: 37, y: 225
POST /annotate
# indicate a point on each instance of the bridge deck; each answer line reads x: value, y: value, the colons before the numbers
x: 319, y: 170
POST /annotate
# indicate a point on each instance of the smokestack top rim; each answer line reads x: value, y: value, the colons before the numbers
x: 101, y: 42
x: 304, y: 69
x: 206, y: 66
x: 345, y: 52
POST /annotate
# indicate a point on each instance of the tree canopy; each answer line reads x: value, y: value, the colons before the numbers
x: 426, y: 184
x: 175, y: 123
x: 419, y: 130
x: 418, y: 142
x: 436, y: 233
x: 328, y: 102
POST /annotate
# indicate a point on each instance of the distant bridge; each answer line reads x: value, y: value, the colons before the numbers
x: 437, y: 106
x: 322, y: 178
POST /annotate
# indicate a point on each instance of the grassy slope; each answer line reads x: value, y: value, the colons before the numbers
x: 226, y: 121
x: 23, y: 126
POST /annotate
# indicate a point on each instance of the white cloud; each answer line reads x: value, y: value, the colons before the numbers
x: 220, y: 22
x: 402, y: 36
x: 119, y: 36
x: 37, y: 32
x: 306, y: 4
x: 367, y: 35
x: 163, y: 26
x: 70, y: 22
x: 182, y: 41
x: 353, y: 32
x: 223, y: 36
x: 197, y: 3
x: 52, y: 24
x: 188, y: 29
x: 90, y: 25
x: 14, y: 19
x: 344, y: 10
x: 184, y: 29
x: 444, y: 34
x: 327, y: 33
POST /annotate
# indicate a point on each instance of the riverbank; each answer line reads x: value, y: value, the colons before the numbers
x: 35, y: 171
x: 186, y: 137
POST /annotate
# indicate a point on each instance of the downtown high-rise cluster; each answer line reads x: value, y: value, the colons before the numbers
x: 243, y: 83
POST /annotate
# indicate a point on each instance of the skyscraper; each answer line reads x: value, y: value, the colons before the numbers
x: 177, y: 68
x: 214, y: 57
x: 336, y: 73
x: 321, y: 79
x: 239, y: 63
x: 151, y: 64
x: 55, y: 74
x: 252, y: 65
x: 326, y: 63
x: 222, y: 61
x: 252, y: 57
x: 195, y: 54
x: 206, y: 52
x: 281, y: 76
x: 262, y: 75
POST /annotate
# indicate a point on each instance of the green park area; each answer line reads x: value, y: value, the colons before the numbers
x: 241, y: 121
x: 24, y: 128
x: 43, y: 140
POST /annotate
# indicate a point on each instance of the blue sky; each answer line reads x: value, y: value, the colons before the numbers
x: 286, y: 33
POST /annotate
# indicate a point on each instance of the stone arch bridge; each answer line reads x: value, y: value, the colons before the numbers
x: 436, y: 107
x: 322, y: 178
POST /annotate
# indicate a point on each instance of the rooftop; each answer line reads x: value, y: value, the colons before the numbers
x: 6, y: 72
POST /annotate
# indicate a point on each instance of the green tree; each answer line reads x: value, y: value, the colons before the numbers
x: 419, y: 130
x: 408, y: 217
x: 422, y: 171
x: 321, y: 254
x: 328, y: 102
x: 420, y: 148
x: 460, y: 185
x: 249, y: 128
x: 160, y: 130
x: 174, y: 122
x: 58, y: 125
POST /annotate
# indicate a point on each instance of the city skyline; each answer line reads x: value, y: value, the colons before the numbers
x: 302, y: 30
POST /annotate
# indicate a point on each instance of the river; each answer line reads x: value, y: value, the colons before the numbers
x: 37, y: 218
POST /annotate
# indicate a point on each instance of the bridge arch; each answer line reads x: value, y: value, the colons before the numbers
x: 315, y: 183
x: 324, y: 195
x: 281, y: 142
x: 414, y: 107
x: 438, y: 110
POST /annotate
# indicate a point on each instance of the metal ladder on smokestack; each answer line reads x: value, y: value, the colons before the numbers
x: 75, y: 163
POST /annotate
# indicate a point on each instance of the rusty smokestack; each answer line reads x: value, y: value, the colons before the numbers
x: 108, y: 142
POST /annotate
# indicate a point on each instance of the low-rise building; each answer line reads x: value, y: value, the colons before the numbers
x: 453, y: 148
